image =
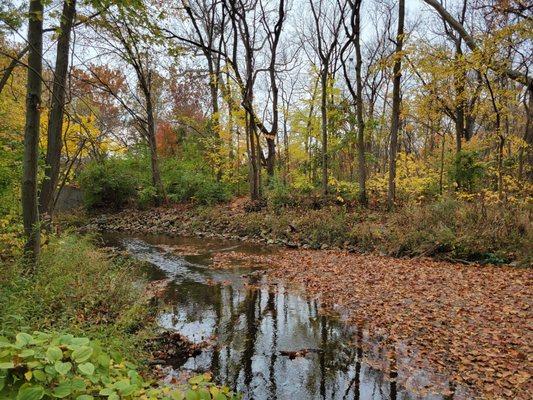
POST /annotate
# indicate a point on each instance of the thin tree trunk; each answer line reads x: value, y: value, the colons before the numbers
x: 55, y: 122
x: 528, y: 137
x: 30, y: 211
x: 324, y: 126
x: 361, y: 163
x: 395, y: 107
x: 156, y: 175
x: 9, y: 70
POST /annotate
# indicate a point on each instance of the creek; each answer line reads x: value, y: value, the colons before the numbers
x: 267, y: 342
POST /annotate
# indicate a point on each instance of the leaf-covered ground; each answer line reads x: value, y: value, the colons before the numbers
x: 473, y: 323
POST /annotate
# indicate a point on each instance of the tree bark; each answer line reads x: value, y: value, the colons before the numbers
x: 30, y: 211
x: 156, y: 175
x: 9, y: 70
x: 396, y: 106
x: 55, y: 121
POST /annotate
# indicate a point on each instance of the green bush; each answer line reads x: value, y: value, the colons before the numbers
x: 279, y: 194
x: 186, y: 181
x: 467, y: 170
x: 47, y: 366
x: 108, y: 184
x: 77, y: 288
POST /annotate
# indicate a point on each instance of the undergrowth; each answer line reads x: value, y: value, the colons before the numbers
x: 447, y: 228
x: 77, y: 289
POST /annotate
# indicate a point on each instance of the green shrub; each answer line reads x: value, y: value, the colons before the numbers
x: 186, y: 181
x: 279, y: 195
x: 77, y: 288
x: 147, y: 196
x: 47, y: 366
x: 467, y: 170
x: 108, y: 184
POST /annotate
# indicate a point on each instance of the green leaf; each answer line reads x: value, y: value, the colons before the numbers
x: 64, y: 389
x: 79, y: 341
x: 26, y: 353
x: 66, y: 339
x: 2, y: 383
x: 23, y: 339
x: 177, y: 395
x: 86, y: 368
x: 54, y: 353
x: 204, y: 394
x: 50, y: 370
x: 82, y: 354
x: 62, y: 367
x: 39, y: 375
x: 78, y: 384
x: 103, y: 360
x: 29, y: 392
x: 220, y: 396
x: 7, y: 365
x: 192, y: 395
x: 85, y: 397
x: 195, y: 380
x: 107, y: 392
x: 124, y: 387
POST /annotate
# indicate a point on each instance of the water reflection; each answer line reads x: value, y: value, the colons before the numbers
x: 269, y: 342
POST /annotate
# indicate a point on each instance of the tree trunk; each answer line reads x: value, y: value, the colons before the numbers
x: 156, y: 175
x: 395, y: 107
x: 528, y: 137
x: 9, y: 69
x: 30, y: 211
x: 271, y: 156
x: 361, y: 163
x: 324, y: 126
x: 286, y: 148
x: 55, y: 122
x: 255, y: 172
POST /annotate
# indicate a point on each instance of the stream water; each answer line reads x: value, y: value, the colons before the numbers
x: 269, y: 343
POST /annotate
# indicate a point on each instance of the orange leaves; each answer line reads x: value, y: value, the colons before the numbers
x: 469, y: 322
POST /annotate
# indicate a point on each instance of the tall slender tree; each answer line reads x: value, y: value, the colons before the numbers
x: 396, y: 99
x: 55, y: 120
x: 30, y: 211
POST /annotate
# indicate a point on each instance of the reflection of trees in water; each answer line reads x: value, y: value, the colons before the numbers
x: 273, y: 310
x: 252, y: 296
x: 249, y: 322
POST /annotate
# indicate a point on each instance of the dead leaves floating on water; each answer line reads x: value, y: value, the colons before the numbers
x: 472, y: 323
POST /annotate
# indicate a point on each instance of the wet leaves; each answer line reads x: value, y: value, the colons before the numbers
x: 470, y: 322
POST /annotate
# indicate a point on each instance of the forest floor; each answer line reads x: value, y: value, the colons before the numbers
x: 469, y: 321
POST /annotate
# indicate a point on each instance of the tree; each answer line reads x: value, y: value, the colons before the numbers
x: 353, y: 33
x: 129, y: 29
x: 30, y: 211
x: 55, y: 120
x: 327, y: 23
x: 395, y: 124
x: 500, y: 68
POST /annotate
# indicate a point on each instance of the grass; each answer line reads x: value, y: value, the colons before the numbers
x: 77, y: 289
